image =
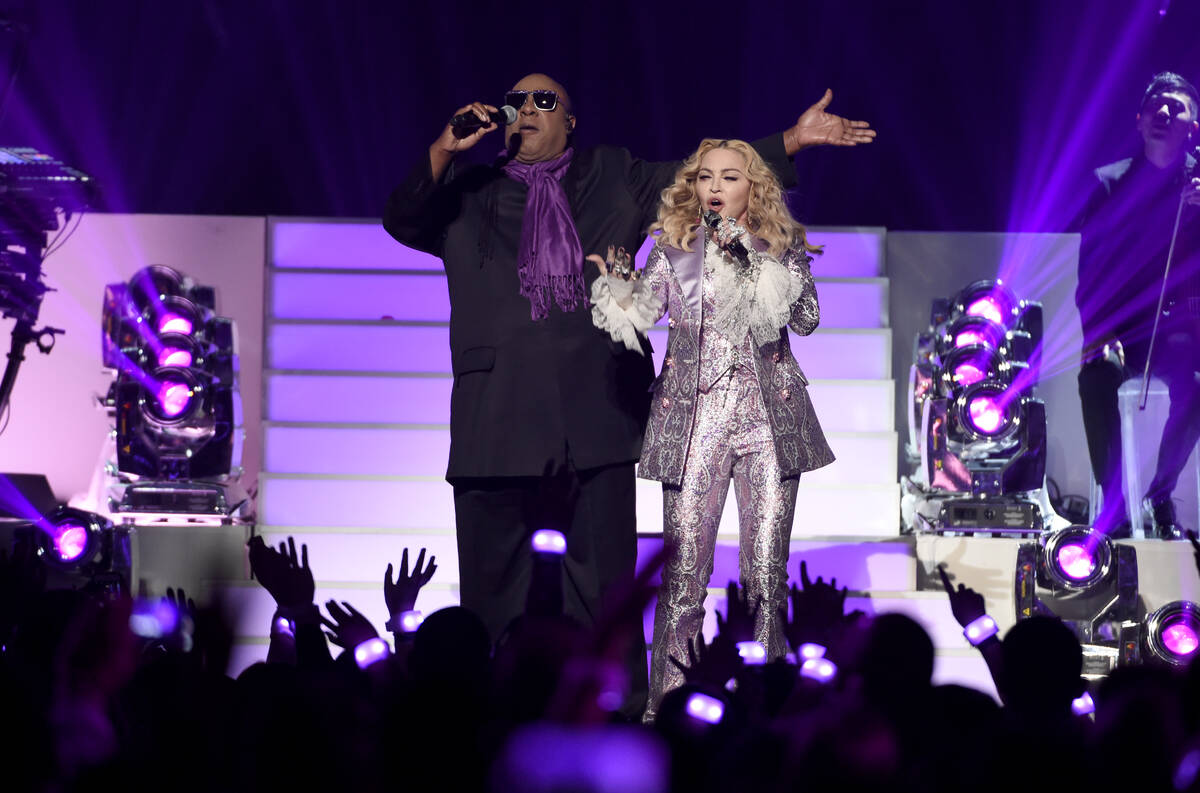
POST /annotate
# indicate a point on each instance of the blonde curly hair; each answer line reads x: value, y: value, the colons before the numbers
x: 767, y: 215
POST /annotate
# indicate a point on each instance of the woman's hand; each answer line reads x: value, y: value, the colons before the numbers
x: 729, y: 231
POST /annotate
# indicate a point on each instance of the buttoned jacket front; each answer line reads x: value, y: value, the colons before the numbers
x: 675, y: 277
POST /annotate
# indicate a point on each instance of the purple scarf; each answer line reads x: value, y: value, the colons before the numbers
x: 551, y: 258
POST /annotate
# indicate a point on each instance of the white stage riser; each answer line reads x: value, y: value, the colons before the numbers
x: 862, y: 458
x: 853, y: 252
x: 355, y: 555
x: 841, y: 405
x: 388, y: 347
x: 361, y: 295
x: 822, y: 510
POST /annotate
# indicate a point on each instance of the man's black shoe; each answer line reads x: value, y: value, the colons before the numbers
x: 1166, y: 525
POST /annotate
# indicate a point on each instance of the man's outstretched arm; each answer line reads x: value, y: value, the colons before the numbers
x: 817, y: 127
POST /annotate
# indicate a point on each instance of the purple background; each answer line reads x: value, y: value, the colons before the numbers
x: 984, y: 109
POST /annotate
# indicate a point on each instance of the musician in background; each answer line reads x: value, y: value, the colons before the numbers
x: 1127, y: 231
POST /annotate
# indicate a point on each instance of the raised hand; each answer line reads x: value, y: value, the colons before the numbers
x: 737, y: 625
x: 348, y: 628
x: 818, y: 609
x: 816, y: 127
x: 712, y: 664
x: 401, y: 595
x: 289, y: 579
x: 966, y: 604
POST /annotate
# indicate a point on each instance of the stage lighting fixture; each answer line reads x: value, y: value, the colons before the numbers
x: 1081, y: 576
x: 1172, y: 633
x: 82, y: 550
x: 994, y: 301
x: 969, y: 330
x: 965, y: 366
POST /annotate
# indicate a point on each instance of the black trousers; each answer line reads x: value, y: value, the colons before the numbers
x: 495, y: 518
x: 1176, y: 362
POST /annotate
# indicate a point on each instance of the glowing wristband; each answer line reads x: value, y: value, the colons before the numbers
x: 1083, y: 705
x: 702, y: 707
x: 406, y: 622
x: 370, y: 651
x: 810, y: 650
x: 549, y: 541
x: 752, y: 653
x: 821, y: 670
x: 981, y: 629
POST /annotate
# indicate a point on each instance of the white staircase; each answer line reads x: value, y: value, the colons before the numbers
x: 357, y: 414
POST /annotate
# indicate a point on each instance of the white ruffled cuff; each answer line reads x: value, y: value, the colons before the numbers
x: 775, y: 290
x: 624, y: 310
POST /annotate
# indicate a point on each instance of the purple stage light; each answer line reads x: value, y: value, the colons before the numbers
x: 811, y: 650
x: 549, y: 541
x: 705, y: 708
x: 174, y: 323
x: 821, y: 670
x: 968, y: 373
x: 70, y: 541
x: 174, y: 356
x: 1075, y: 560
x: 752, y: 653
x: 972, y: 336
x: 173, y: 397
x: 369, y: 652
x: 986, y: 413
x: 987, y: 307
x: 1181, y: 638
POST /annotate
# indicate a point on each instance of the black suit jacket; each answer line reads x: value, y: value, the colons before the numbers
x: 527, y: 394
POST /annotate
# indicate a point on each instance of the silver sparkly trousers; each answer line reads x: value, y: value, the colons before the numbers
x: 731, y: 439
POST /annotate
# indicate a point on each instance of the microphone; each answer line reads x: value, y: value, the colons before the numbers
x: 712, y: 220
x: 465, y: 124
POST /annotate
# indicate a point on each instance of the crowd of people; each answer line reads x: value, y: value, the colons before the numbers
x: 92, y: 705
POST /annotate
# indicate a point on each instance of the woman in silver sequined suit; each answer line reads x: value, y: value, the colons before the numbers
x: 731, y: 402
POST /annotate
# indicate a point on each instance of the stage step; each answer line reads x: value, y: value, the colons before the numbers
x: 409, y: 347
x: 323, y: 396
x: 412, y: 295
x: 850, y: 251
x: 427, y: 503
x: 863, y: 457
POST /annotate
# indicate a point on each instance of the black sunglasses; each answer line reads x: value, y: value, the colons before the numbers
x: 542, y: 100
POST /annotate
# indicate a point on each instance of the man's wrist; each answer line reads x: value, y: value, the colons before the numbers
x: 980, y: 630
x: 305, y: 614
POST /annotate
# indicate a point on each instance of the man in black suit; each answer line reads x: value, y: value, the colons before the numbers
x: 1127, y: 231
x: 537, y: 388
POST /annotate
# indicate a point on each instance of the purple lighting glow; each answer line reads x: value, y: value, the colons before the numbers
x: 70, y: 541
x: 174, y: 398
x: 705, y: 708
x: 1181, y: 637
x: 986, y: 413
x: 174, y: 323
x: 174, y: 356
x: 410, y: 621
x: 810, y: 650
x: 1075, y: 561
x: 1083, y: 705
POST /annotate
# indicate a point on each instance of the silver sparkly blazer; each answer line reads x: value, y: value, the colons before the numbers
x: 675, y: 278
